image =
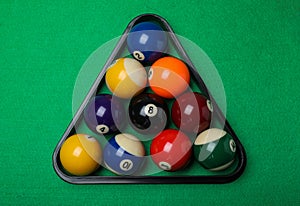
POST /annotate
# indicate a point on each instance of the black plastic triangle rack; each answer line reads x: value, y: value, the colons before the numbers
x: 150, y: 171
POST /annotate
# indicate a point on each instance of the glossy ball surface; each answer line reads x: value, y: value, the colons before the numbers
x: 104, y: 114
x: 80, y: 154
x: 191, y: 112
x: 215, y: 149
x: 171, y: 150
x: 148, y: 113
x: 169, y: 77
x: 124, y: 154
x: 126, y: 77
x: 147, y: 42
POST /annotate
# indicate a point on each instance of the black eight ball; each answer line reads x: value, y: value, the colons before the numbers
x: 148, y: 113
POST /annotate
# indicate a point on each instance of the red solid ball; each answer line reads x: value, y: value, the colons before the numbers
x: 191, y: 112
x: 171, y: 150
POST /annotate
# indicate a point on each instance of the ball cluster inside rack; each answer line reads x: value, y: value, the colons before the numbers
x: 150, y: 93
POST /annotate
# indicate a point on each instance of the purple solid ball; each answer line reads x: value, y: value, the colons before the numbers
x: 104, y: 114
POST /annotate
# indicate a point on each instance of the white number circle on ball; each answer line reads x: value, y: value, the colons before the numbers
x: 150, y: 74
x: 138, y: 55
x: 165, y: 166
x: 232, y: 145
x: 126, y: 165
x: 209, y: 105
x: 150, y: 110
x: 102, y: 129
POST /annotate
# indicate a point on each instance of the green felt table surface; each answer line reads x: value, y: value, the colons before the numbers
x: 254, y: 44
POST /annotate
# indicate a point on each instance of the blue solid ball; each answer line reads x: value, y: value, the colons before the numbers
x: 123, y: 154
x: 104, y: 114
x: 147, y: 42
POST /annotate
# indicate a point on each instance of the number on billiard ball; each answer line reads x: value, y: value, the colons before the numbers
x: 148, y: 113
x: 171, y: 150
x: 147, y: 42
x: 123, y: 154
x: 104, y: 114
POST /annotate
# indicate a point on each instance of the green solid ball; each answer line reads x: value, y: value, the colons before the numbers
x: 214, y: 149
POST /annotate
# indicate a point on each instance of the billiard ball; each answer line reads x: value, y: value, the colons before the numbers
x: 171, y: 150
x: 80, y: 154
x: 214, y: 149
x: 169, y: 77
x: 124, y: 154
x: 147, y: 42
x: 104, y: 114
x: 148, y: 113
x: 126, y: 77
x: 191, y: 112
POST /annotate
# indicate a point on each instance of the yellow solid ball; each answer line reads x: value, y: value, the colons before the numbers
x: 126, y: 77
x: 81, y: 154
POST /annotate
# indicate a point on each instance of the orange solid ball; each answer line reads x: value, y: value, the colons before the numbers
x: 169, y: 77
x: 81, y: 154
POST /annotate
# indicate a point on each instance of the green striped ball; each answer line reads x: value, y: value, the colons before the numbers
x: 214, y: 149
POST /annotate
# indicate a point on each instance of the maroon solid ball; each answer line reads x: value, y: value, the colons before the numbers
x: 191, y: 112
